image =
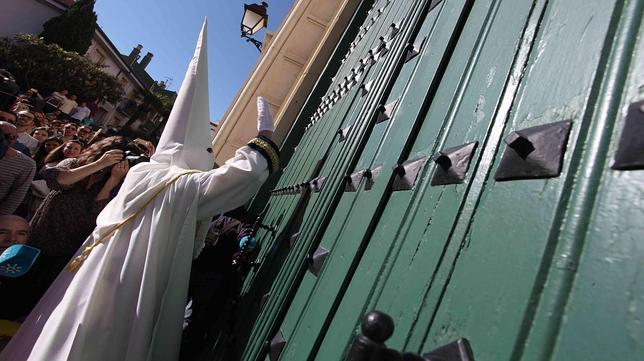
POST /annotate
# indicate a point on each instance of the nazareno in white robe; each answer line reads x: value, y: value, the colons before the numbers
x: 126, y: 301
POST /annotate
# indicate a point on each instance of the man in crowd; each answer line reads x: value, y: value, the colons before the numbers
x: 56, y: 128
x: 19, y: 294
x: 13, y: 230
x: 25, y: 124
x: 57, y: 98
x: 17, y: 171
x: 69, y: 104
x: 7, y: 117
x: 85, y: 133
x: 69, y: 131
x: 81, y: 112
x: 11, y: 119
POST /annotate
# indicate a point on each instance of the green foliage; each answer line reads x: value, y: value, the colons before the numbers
x: 47, y: 67
x: 159, y: 102
x: 73, y: 29
x: 152, y: 102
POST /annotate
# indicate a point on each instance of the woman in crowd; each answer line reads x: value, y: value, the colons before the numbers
x: 81, y: 187
x: 40, y: 134
x: 46, y: 148
x: 39, y: 189
x: 70, y: 149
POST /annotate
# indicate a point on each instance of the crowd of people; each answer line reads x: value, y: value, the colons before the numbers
x: 58, y: 172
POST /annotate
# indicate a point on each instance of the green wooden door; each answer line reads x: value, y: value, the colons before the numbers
x: 543, y: 265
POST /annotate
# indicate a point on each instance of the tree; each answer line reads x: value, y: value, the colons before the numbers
x: 153, y: 102
x: 47, y: 67
x: 73, y: 29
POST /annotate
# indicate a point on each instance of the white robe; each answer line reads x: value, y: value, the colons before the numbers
x: 126, y: 301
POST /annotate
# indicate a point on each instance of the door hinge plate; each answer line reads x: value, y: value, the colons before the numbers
x: 459, y: 350
x: 317, y: 184
x: 414, y: 49
x: 371, y: 177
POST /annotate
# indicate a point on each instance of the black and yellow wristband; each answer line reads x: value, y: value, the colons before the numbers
x: 269, y: 150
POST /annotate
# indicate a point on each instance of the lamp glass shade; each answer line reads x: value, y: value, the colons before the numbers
x: 254, y: 19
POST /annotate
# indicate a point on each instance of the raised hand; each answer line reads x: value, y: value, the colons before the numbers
x: 264, y: 117
x: 110, y: 158
x: 119, y: 170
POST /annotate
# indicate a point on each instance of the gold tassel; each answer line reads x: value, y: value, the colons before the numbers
x: 75, y: 264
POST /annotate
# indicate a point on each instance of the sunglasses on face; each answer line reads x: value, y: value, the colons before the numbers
x: 10, y: 137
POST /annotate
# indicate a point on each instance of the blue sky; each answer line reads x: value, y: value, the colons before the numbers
x: 169, y: 30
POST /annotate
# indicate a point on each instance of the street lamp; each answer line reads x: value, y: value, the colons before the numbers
x: 255, y: 18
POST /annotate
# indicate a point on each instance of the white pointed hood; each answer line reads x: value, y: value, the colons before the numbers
x: 186, y: 137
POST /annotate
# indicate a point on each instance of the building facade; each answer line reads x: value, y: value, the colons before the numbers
x: 28, y: 16
x: 473, y: 170
x: 291, y: 62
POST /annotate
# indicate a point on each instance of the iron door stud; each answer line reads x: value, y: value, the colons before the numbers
x: 534, y: 153
x: 630, y: 151
x: 406, y: 174
x: 452, y: 164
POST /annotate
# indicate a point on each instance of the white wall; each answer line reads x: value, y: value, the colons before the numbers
x: 24, y: 16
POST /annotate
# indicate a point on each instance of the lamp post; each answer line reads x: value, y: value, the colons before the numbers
x: 255, y: 18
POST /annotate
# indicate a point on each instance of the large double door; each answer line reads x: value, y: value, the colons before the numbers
x: 458, y: 174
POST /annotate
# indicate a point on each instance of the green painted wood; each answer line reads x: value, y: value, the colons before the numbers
x: 594, y: 300
x: 430, y: 211
x: 283, y: 211
x: 353, y: 216
x: 508, y: 243
x: 540, y: 269
x: 313, y: 219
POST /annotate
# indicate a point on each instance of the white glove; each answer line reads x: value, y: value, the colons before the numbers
x: 264, y: 117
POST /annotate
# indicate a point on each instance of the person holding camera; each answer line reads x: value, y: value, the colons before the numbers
x: 122, y: 297
x: 81, y: 187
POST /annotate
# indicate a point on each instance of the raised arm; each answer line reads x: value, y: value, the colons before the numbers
x: 71, y: 176
x: 234, y: 183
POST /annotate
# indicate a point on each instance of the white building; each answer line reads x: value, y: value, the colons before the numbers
x: 28, y: 16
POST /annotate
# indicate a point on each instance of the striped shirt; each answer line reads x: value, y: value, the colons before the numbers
x: 16, y: 174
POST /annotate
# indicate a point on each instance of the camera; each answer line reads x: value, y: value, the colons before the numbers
x: 133, y: 158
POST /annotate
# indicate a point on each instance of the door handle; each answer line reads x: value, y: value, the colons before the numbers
x: 377, y: 327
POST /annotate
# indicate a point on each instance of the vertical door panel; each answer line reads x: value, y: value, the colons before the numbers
x: 394, y: 275
x: 526, y: 269
x: 591, y: 308
x: 318, y: 208
x: 494, y: 281
x: 346, y: 230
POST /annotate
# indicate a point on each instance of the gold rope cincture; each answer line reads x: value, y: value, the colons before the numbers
x: 75, y: 264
